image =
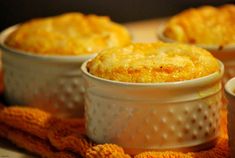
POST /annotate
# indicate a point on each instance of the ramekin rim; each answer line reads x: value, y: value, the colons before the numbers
x: 198, y: 81
x: 4, y: 34
x: 228, y: 88
x: 209, y: 47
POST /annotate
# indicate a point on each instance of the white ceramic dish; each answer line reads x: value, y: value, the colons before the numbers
x: 51, y: 83
x: 230, y: 92
x: 225, y: 54
x: 153, y: 116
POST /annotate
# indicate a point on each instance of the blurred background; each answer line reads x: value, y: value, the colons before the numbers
x: 16, y: 11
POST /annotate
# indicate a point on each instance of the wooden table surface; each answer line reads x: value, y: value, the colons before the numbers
x: 9, y: 150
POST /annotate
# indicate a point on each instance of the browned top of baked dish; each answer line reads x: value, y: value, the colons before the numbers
x: 68, y: 34
x: 203, y: 25
x: 153, y: 62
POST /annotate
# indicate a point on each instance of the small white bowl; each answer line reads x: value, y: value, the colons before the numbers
x: 230, y: 93
x: 180, y: 115
x: 225, y: 54
x: 51, y: 83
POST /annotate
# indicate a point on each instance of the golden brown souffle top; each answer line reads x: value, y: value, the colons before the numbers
x: 205, y: 25
x: 153, y: 62
x: 68, y: 34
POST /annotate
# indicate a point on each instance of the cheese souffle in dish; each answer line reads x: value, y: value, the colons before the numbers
x: 42, y: 59
x: 153, y: 96
x: 212, y: 28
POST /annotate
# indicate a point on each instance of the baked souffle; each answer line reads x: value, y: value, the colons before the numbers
x: 68, y: 34
x: 205, y: 25
x: 153, y: 62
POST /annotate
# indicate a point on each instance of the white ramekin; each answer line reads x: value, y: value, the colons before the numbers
x: 230, y: 93
x: 225, y: 54
x: 51, y: 83
x: 153, y: 116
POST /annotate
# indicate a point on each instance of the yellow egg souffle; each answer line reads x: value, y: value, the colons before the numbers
x: 68, y: 34
x: 153, y: 62
x: 205, y: 25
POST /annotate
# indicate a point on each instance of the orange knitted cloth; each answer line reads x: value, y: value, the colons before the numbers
x: 45, y: 135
